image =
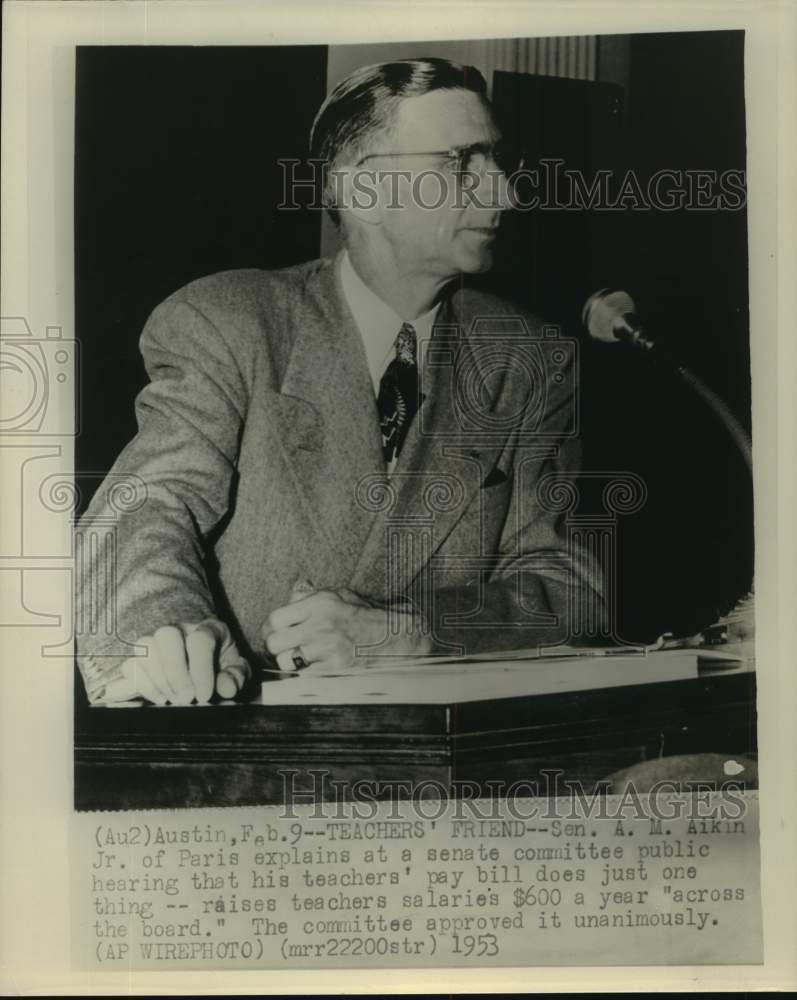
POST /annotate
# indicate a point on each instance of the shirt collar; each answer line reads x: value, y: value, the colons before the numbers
x: 377, y: 322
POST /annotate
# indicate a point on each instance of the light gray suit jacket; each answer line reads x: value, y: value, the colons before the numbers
x: 258, y: 461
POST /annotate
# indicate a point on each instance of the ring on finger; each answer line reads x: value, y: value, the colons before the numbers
x: 298, y: 659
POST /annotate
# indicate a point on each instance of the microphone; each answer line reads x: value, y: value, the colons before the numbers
x: 610, y: 316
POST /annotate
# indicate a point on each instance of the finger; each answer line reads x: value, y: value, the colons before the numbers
x: 233, y: 664
x: 234, y: 671
x: 231, y: 679
x: 200, y: 648
x: 300, y: 657
x: 291, y: 660
x: 170, y: 644
x: 122, y: 689
x: 150, y: 665
x: 135, y: 680
x: 328, y: 664
x: 134, y: 671
x: 302, y: 588
x: 315, y: 651
x: 294, y: 613
x: 287, y: 638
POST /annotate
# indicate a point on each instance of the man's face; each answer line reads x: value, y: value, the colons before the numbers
x: 439, y: 229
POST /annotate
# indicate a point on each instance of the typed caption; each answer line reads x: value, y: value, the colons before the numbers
x: 251, y: 888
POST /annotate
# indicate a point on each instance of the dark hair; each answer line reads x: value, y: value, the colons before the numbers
x: 365, y: 104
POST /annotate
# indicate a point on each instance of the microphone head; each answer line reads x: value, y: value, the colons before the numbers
x: 609, y: 315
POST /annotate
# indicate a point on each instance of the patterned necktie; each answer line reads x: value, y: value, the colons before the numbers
x: 399, y: 395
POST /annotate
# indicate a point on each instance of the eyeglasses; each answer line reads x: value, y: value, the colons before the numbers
x: 472, y: 159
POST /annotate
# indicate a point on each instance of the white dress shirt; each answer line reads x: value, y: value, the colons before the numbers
x: 378, y: 324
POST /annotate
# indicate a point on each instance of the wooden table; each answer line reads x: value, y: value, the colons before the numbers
x: 232, y: 754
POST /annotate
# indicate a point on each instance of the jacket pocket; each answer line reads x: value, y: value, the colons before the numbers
x: 299, y: 423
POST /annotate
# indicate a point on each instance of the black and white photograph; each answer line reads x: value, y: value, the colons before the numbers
x: 426, y: 414
x: 395, y: 476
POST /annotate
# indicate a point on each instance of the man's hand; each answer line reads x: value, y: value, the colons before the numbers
x: 326, y: 627
x: 180, y: 666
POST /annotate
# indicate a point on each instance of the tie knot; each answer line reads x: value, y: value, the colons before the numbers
x: 407, y: 344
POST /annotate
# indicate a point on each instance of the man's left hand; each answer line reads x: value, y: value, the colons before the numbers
x: 327, y: 627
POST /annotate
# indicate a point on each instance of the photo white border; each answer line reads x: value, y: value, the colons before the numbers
x: 37, y: 250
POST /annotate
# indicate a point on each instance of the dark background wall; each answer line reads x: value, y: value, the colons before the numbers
x: 176, y: 177
x: 689, y: 554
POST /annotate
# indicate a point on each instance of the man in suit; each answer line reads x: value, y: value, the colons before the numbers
x: 351, y: 458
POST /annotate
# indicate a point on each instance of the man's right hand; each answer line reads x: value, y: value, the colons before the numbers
x: 183, y: 663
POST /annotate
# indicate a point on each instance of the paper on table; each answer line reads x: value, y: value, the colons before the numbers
x: 388, y: 664
x: 506, y: 675
x: 383, y: 663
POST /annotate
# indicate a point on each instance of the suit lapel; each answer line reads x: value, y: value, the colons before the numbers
x: 439, y: 472
x: 335, y: 427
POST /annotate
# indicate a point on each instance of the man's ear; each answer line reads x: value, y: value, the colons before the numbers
x: 360, y: 192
